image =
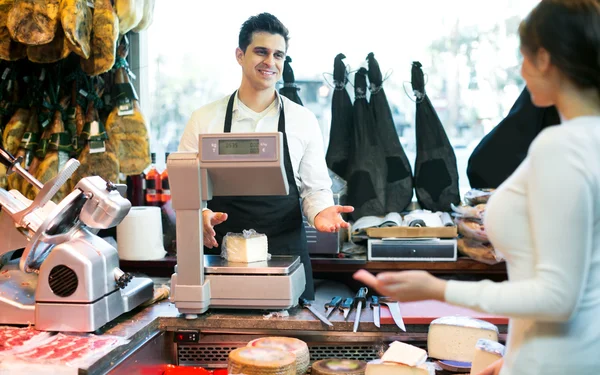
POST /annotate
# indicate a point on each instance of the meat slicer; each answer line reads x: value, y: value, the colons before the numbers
x: 67, y: 278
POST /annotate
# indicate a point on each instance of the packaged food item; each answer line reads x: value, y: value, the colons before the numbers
x: 479, y: 251
x: 246, y: 247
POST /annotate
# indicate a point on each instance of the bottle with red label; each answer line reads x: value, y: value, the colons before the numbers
x: 153, y: 184
x: 165, y: 193
x: 136, y: 189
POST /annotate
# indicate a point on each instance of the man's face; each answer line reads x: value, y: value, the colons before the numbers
x: 262, y: 63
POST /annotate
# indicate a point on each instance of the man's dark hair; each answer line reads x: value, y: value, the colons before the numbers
x: 264, y: 22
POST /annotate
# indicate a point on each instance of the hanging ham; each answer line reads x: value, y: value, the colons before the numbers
x: 105, y: 32
x: 126, y: 125
x: 130, y: 13
x: 76, y: 21
x: 33, y: 22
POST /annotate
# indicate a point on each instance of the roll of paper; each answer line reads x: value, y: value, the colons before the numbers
x: 140, y: 235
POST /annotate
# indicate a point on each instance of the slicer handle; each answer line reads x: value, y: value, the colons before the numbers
x: 53, y: 186
x: 6, y: 158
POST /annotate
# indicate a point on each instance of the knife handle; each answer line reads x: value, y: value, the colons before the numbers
x: 374, y: 301
x: 347, y: 303
x: 304, y: 302
x: 361, y: 295
x: 335, y: 301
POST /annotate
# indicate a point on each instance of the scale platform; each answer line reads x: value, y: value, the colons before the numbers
x: 274, y: 284
x: 412, y: 250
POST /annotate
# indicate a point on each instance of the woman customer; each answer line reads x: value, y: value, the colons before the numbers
x: 545, y: 218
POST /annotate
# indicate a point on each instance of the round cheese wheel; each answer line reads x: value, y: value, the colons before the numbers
x: 289, y: 344
x: 338, y: 366
x: 261, y: 361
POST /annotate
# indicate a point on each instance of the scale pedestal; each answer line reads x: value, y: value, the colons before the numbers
x: 230, y: 164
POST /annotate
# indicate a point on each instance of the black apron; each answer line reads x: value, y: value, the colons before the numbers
x: 279, y: 217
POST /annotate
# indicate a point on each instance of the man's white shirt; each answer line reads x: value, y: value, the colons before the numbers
x: 304, y: 142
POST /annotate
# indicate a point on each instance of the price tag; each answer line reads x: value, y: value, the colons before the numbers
x: 97, y: 147
x: 83, y: 92
x: 125, y: 108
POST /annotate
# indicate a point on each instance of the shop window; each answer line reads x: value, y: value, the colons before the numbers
x: 468, y: 48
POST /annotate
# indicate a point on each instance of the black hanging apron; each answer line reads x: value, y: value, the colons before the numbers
x: 279, y: 217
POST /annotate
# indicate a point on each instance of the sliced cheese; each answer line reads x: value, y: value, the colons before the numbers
x: 261, y: 361
x: 454, y: 337
x: 245, y: 249
x: 338, y: 366
x: 289, y: 344
x: 403, y: 353
x: 379, y: 367
x: 486, y: 353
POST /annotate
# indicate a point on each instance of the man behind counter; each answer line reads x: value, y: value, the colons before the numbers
x: 257, y: 107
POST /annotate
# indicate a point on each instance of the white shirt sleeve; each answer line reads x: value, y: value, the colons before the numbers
x: 315, y: 184
x: 189, y: 139
x: 560, y: 204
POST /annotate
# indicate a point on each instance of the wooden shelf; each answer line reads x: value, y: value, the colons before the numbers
x: 463, y: 266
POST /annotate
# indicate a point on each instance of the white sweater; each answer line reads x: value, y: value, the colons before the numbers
x: 545, y: 219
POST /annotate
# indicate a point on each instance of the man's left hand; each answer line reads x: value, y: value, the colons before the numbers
x: 330, y: 219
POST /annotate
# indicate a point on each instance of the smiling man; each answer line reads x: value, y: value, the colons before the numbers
x: 257, y: 107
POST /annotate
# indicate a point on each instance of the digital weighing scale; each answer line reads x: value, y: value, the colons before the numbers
x: 228, y: 164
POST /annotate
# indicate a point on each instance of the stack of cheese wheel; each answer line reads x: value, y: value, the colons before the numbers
x: 261, y: 361
x: 338, y: 366
x: 289, y: 344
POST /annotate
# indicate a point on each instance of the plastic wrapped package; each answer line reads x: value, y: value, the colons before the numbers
x: 474, y: 197
x: 246, y: 247
x: 471, y: 229
x: 479, y: 251
x: 469, y: 212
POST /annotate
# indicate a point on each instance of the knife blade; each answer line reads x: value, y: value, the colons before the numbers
x: 346, y: 306
x: 394, y: 307
x: 332, y: 305
x: 359, y: 300
x: 305, y: 303
x: 376, y: 313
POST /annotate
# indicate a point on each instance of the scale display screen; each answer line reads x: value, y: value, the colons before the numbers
x: 238, y: 146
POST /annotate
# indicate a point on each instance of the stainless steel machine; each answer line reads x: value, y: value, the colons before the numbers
x: 229, y: 164
x: 67, y: 278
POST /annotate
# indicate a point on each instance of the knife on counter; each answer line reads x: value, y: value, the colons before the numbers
x: 394, y: 307
x: 360, y: 300
x: 376, y: 312
x: 305, y: 303
x: 332, y: 305
x: 346, y: 306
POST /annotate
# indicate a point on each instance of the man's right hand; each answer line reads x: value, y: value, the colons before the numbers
x: 209, y: 220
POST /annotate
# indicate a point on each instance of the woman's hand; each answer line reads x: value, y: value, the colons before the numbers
x: 493, y: 369
x: 209, y: 220
x: 404, y: 286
